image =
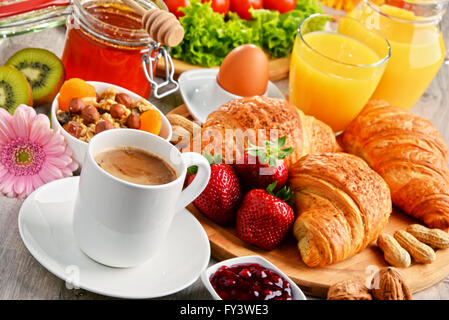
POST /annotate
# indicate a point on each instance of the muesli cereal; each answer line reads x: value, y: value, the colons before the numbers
x: 110, y: 109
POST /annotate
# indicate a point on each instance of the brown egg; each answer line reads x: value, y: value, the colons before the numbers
x: 244, y: 71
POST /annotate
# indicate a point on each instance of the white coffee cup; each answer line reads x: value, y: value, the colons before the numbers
x: 122, y: 224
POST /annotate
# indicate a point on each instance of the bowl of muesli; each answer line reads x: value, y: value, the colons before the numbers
x: 113, y: 108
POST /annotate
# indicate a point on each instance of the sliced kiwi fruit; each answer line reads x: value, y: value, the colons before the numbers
x: 43, y: 70
x: 14, y: 89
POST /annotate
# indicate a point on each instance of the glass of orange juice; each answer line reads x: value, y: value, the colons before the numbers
x: 417, y: 48
x: 334, y: 70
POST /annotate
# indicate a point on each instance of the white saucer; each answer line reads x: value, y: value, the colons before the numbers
x: 203, y: 95
x: 45, y: 225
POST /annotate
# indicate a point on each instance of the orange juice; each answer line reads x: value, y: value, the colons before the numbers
x: 332, y: 76
x: 417, y: 52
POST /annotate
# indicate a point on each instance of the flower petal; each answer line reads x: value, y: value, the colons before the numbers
x: 22, y: 119
x: 59, y: 162
x: 7, y: 185
x: 6, y: 131
x: 36, y: 181
x: 19, y: 185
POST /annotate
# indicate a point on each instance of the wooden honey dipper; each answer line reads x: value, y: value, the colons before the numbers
x: 162, y: 26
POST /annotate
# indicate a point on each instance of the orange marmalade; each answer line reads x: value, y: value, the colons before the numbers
x: 105, y: 42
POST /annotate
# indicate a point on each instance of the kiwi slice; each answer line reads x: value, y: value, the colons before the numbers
x: 43, y: 70
x: 14, y: 89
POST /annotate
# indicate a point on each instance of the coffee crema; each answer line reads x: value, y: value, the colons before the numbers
x: 136, y: 166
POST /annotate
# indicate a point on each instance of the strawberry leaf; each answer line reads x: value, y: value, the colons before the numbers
x: 192, y: 170
x: 218, y: 159
x: 271, y: 187
x: 209, y: 158
x: 272, y: 162
x: 285, y: 194
x: 271, y: 152
x: 281, y: 141
x: 285, y: 152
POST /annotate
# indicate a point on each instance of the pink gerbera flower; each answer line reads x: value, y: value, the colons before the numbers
x: 31, y: 154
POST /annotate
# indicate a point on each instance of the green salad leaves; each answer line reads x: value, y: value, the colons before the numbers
x: 209, y: 36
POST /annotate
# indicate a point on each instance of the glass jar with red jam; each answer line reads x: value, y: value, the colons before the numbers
x: 105, y: 42
x: 250, y: 281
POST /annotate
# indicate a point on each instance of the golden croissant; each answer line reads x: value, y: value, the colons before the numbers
x: 342, y: 206
x: 256, y: 119
x: 409, y: 153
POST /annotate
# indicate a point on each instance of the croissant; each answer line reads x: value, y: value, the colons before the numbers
x: 257, y: 119
x: 409, y: 153
x: 342, y: 206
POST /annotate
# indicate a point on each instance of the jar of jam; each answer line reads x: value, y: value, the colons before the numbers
x: 105, y: 42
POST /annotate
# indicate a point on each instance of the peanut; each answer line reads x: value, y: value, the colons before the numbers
x: 418, y: 250
x: 352, y: 289
x: 392, y: 285
x: 434, y: 237
x: 394, y: 254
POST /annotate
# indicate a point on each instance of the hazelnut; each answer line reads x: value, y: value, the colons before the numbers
x: 133, y: 121
x: 90, y: 114
x: 76, y: 104
x: 103, y: 125
x: 124, y: 99
x: 117, y: 111
x: 74, y: 128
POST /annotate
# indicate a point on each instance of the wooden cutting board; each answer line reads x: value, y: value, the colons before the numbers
x: 278, y: 68
x: 315, y: 281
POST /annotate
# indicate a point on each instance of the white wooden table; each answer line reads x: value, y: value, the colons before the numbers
x: 22, y: 277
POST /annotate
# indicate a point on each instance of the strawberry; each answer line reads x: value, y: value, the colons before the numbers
x: 223, y: 193
x: 264, y: 165
x: 264, y: 219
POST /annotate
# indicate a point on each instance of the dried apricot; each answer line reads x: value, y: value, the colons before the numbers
x: 150, y: 121
x: 74, y: 88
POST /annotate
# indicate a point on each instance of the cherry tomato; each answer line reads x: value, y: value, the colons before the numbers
x: 282, y: 6
x: 241, y: 7
x: 173, y: 6
x: 220, y: 6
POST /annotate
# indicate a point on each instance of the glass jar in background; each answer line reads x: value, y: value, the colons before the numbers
x: 413, y: 29
x: 105, y: 42
x: 333, y: 70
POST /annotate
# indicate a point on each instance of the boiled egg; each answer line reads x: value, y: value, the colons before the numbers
x: 244, y: 71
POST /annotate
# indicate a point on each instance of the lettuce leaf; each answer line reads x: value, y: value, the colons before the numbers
x: 209, y: 36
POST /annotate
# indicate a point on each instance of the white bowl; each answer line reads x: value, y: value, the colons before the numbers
x: 203, y: 95
x: 79, y: 148
x: 297, y: 294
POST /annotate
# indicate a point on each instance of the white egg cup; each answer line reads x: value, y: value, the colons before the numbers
x: 203, y: 95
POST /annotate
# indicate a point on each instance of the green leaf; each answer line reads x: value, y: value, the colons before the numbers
x: 285, y: 152
x: 262, y: 157
x: 271, y: 187
x: 218, y: 159
x: 285, y: 194
x: 281, y: 141
x: 210, y: 36
x: 192, y: 170
x: 208, y: 157
x: 272, y: 162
